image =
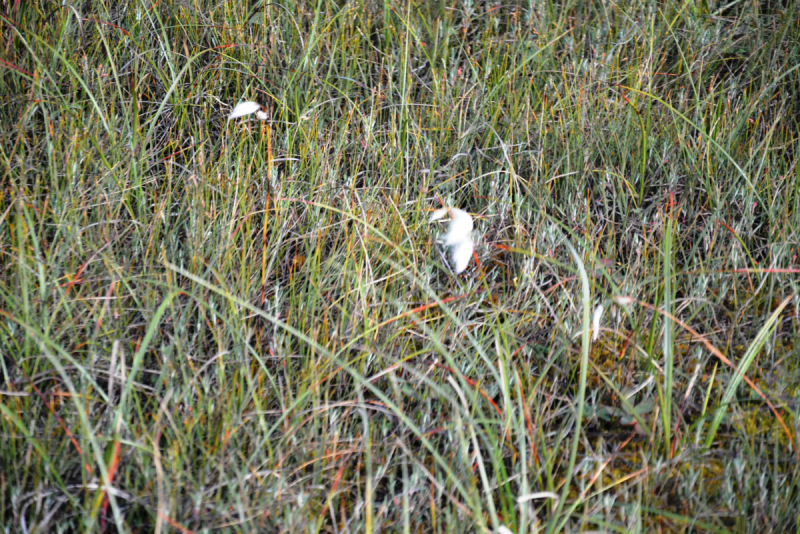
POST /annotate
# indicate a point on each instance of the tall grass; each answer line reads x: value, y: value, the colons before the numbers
x: 244, y: 326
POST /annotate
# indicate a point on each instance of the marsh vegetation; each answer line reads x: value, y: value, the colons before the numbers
x: 213, y: 325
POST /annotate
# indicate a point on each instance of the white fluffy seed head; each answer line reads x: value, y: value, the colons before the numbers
x: 598, y: 314
x: 243, y: 109
x: 623, y: 300
x: 458, y: 236
x: 438, y: 214
x: 462, y: 253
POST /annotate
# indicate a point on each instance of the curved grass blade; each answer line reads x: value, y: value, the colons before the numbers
x: 744, y: 365
x: 586, y: 343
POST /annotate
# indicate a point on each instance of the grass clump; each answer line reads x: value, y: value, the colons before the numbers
x: 248, y: 326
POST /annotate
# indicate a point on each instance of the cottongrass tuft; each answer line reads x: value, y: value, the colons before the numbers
x: 598, y: 314
x: 243, y: 109
x: 622, y: 300
x: 457, y: 236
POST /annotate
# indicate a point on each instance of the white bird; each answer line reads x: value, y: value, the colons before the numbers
x: 458, y: 236
x: 243, y: 109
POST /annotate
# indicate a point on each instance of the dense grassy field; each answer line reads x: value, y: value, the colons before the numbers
x: 244, y: 326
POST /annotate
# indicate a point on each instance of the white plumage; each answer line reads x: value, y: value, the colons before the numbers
x: 248, y: 108
x: 457, y: 236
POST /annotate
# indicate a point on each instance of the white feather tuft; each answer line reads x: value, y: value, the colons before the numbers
x: 458, y: 236
x: 247, y: 108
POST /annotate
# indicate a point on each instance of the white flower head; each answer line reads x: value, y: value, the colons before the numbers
x: 457, y: 236
x: 243, y: 109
